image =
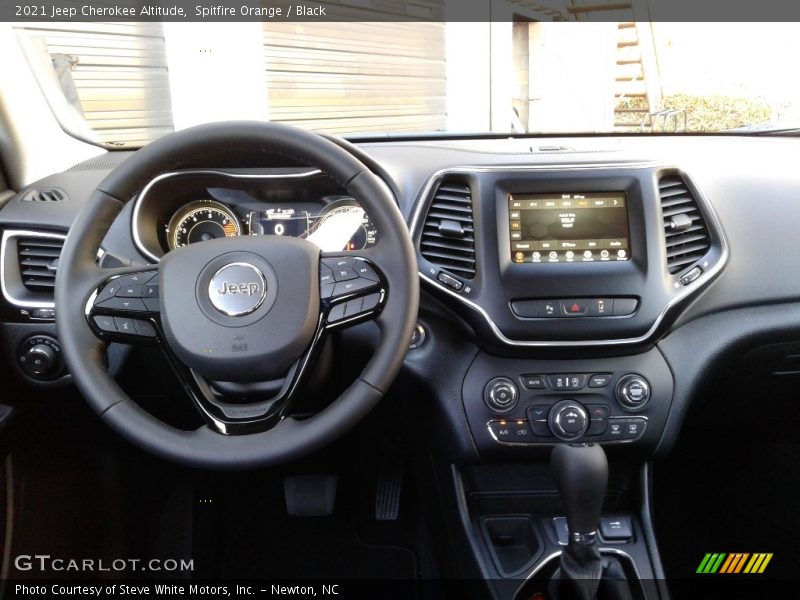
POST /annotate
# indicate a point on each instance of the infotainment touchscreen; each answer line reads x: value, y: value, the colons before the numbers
x: 559, y: 228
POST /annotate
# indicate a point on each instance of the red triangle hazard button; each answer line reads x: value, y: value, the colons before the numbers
x: 575, y: 307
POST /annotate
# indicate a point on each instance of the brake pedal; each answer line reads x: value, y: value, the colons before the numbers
x: 310, y: 495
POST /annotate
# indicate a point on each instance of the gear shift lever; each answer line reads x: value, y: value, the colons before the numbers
x: 581, y: 473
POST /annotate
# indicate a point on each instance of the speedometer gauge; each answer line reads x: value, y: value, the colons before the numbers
x: 201, y: 221
x: 344, y: 225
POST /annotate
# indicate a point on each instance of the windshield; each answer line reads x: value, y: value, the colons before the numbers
x: 129, y: 83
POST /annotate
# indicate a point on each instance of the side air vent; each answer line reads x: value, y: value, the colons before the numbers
x: 44, y: 195
x: 448, y: 236
x: 684, y: 228
x: 38, y: 261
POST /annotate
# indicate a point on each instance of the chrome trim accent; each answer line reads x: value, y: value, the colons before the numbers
x: 9, y: 234
x: 695, y: 286
x: 137, y: 241
x: 583, y: 538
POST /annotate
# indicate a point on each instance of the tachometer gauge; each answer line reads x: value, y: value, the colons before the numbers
x: 344, y: 225
x: 201, y: 221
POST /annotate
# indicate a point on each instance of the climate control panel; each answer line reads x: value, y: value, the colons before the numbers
x: 614, y: 401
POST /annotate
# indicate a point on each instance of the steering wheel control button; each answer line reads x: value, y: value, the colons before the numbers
x: 569, y: 381
x: 133, y: 279
x: 124, y: 325
x: 576, y: 307
x: 144, y: 328
x: 325, y: 276
x: 105, y: 323
x: 342, y: 268
x: 501, y: 395
x: 365, y: 271
x: 633, y: 392
x: 336, y: 313
x: 344, y: 288
x: 533, y: 382
x: 371, y: 303
x: 449, y: 281
x: 625, y: 306
x: 568, y: 420
x: 237, y: 289
x: 599, y: 380
x: 108, y: 291
x: 124, y: 304
x: 130, y: 291
x: 150, y: 290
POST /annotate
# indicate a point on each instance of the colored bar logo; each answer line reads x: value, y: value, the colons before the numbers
x: 737, y: 562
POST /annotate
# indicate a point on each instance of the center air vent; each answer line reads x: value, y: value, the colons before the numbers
x: 38, y: 261
x: 684, y: 228
x: 44, y: 195
x: 448, y: 236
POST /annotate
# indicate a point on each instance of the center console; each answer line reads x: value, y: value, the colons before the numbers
x: 567, y: 275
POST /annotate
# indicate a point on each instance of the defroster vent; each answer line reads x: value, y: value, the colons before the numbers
x: 684, y: 227
x: 448, y: 235
x: 38, y: 261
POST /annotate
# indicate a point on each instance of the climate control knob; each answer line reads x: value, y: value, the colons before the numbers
x: 501, y: 394
x: 568, y: 420
x: 633, y: 392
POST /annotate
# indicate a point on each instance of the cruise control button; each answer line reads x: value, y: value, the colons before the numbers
x: 353, y: 307
x: 364, y: 270
x: 371, y: 302
x: 325, y: 276
x: 533, y: 382
x: 326, y: 290
x: 601, y: 307
x: 574, y: 307
x: 144, y: 328
x: 105, y: 323
x: 129, y: 291
x: 599, y: 380
x: 124, y: 304
x: 349, y: 287
x: 336, y: 313
x: 125, y: 325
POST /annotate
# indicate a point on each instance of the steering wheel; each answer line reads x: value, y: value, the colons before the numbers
x: 240, y: 311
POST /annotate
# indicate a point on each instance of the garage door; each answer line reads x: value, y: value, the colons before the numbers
x: 356, y: 76
x: 120, y: 73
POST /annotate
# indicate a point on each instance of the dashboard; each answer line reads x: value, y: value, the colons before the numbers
x: 188, y: 207
x: 613, y: 273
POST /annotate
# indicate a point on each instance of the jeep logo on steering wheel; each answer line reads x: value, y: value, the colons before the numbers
x: 237, y: 289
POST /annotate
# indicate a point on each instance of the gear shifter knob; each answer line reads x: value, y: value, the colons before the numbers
x: 581, y: 472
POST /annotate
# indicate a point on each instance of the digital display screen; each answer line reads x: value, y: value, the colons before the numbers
x: 559, y: 228
x: 279, y: 221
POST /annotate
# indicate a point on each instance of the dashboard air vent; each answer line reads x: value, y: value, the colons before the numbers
x: 38, y: 261
x: 448, y: 237
x: 44, y: 195
x: 684, y: 228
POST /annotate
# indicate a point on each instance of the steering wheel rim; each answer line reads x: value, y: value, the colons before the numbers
x: 79, y: 275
